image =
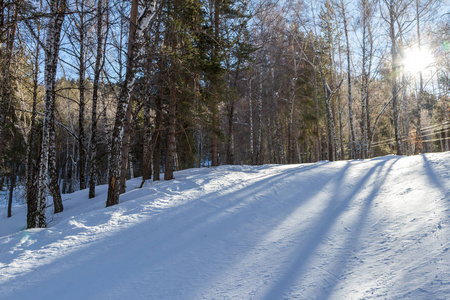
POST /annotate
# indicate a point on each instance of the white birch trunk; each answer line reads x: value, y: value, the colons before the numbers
x: 57, y: 9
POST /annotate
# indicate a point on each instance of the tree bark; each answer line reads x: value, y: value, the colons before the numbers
x: 215, y: 93
x: 126, y: 146
x: 420, y: 94
x: 52, y: 170
x: 81, y: 87
x: 250, y: 104
x: 5, y: 89
x: 170, y: 149
x: 114, y: 188
x: 147, y: 153
x: 157, y: 137
x: 32, y: 148
x: 57, y: 9
x: 12, y: 185
x: 97, y: 71
x: 394, y: 54
x: 259, y: 148
x: 280, y: 156
x: 349, y: 83
x: 136, y: 30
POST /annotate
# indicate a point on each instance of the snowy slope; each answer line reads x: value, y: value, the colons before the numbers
x: 372, y: 229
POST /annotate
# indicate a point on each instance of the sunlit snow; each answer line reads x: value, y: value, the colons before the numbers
x: 363, y: 229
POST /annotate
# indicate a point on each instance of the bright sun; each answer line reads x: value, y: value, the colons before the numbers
x: 416, y: 60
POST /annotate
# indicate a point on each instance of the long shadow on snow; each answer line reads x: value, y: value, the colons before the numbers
x: 225, y: 225
x: 217, y: 206
x: 435, y: 180
x: 208, y: 221
x: 220, y: 213
x: 358, y: 225
x: 328, y: 218
x: 289, y: 207
x: 193, y: 219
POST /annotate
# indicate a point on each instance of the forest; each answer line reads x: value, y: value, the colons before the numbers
x: 100, y: 91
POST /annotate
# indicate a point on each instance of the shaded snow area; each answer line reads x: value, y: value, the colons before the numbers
x: 367, y: 229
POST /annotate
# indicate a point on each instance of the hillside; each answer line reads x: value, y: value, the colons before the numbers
x: 363, y: 229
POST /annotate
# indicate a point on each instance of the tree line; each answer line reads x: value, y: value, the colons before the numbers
x: 98, y: 91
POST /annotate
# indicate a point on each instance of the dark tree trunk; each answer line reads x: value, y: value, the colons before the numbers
x: 230, y: 154
x: 171, y: 142
x: 215, y: 94
x: 157, y: 137
x: 32, y: 147
x: 81, y: 87
x: 5, y: 89
x: 97, y: 71
x: 12, y: 185
x: 147, y: 151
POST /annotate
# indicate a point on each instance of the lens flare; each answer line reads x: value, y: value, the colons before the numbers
x: 416, y: 60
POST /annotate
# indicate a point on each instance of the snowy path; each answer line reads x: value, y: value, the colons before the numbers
x: 374, y: 229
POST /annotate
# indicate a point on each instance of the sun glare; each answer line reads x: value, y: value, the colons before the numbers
x: 416, y: 60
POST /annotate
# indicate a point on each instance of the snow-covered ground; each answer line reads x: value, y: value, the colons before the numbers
x: 372, y: 229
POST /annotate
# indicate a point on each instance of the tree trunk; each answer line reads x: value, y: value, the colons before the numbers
x: 170, y: 133
x: 420, y: 93
x: 230, y: 155
x: 114, y: 187
x: 97, y: 71
x: 170, y: 149
x: 81, y: 87
x: 147, y: 153
x: 394, y: 54
x: 250, y: 101
x: 349, y: 83
x: 215, y: 94
x: 363, y: 83
x: 278, y: 135
x: 157, y: 142
x: 331, y: 132
x: 52, y: 170
x: 136, y: 30
x: 32, y: 147
x: 292, y: 143
x: 5, y: 89
x: 58, y: 9
x: 367, y: 91
x: 259, y: 149
x: 126, y: 146
x: 12, y: 185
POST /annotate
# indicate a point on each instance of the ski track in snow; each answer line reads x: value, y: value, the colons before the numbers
x: 362, y: 229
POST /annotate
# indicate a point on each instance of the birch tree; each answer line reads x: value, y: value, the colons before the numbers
x: 137, y: 26
x: 48, y: 159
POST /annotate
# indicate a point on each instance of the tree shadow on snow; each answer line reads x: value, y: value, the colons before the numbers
x: 435, y: 180
x: 169, y: 234
x: 329, y: 216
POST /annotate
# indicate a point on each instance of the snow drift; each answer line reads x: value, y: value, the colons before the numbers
x: 366, y: 229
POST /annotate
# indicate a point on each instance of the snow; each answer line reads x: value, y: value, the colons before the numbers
x: 361, y: 229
